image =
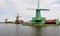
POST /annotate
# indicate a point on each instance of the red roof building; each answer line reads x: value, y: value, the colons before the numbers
x: 50, y: 21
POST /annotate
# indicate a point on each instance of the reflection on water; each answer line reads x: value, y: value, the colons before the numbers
x: 38, y: 31
x: 21, y: 30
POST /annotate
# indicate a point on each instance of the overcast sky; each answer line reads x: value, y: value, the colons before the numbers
x: 9, y: 9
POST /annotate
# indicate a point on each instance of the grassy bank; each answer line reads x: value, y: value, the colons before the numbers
x: 30, y: 24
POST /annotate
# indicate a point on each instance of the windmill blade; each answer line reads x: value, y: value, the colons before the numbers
x: 31, y: 9
x: 38, y: 4
x: 45, y: 9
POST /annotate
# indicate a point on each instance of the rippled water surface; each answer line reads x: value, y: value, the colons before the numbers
x: 21, y: 30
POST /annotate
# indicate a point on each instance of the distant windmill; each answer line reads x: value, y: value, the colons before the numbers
x: 18, y: 21
x: 17, y: 17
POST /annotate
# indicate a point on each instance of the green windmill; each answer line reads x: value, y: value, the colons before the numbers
x: 38, y: 19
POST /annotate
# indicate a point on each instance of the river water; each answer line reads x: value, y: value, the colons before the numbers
x: 21, y: 30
